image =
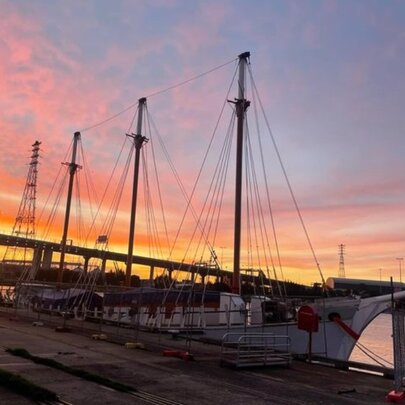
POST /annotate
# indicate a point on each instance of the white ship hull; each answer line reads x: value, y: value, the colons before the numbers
x: 331, y: 340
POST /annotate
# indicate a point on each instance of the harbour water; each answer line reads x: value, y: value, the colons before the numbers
x: 378, y: 338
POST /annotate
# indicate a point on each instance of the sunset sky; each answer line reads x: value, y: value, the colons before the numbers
x: 330, y: 75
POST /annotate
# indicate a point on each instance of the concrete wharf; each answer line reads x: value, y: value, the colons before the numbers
x: 166, y: 380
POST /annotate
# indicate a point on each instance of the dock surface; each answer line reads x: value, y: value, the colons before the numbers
x: 168, y: 380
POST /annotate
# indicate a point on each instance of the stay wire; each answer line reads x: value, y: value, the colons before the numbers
x: 109, y: 182
x: 215, y: 186
x: 52, y: 214
x: 248, y: 209
x: 91, y: 190
x: 152, y: 143
x: 224, y: 173
x: 367, y: 353
x: 260, y: 211
x: 189, y: 205
x: 223, y: 164
x: 180, y: 184
x: 155, y: 246
x: 189, y: 199
x: 78, y: 209
x: 146, y: 202
x: 214, y: 189
x: 177, y: 177
x: 54, y: 184
x: 269, y: 203
x: 289, y: 185
x: 174, y: 86
x: 261, y: 225
x: 118, y: 193
x: 257, y: 209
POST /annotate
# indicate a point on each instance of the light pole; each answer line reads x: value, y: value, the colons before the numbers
x: 380, y: 282
x: 400, y: 268
x: 222, y: 256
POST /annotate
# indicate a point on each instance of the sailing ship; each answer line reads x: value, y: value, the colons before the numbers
x: 336, y: 323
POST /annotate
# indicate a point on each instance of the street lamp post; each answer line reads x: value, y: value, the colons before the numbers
x: 222, y: 256
x: 400, y: 268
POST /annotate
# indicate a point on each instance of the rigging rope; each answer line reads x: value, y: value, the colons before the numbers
x: 256, y: 209
x: 217, y: 191
x: 107, y: 220
x: 55, y: 205
x: 189, y: 198
x: 269, y: 203
x: 45, y: 206
x: 152, y: 228
x: 152, y: 143
x: 182, y: 189
x: 372, y: 355
x: 91, y: 189
x: 288, y: 181
x: 78, y: 207
x: 217, y: 194
x: 174, y: 86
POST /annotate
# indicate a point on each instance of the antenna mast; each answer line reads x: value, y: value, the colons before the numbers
x: 341, y: 273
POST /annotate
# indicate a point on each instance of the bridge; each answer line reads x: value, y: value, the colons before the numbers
x: 43, y: 252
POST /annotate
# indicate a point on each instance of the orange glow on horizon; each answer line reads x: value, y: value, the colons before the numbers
x: 348, y: 178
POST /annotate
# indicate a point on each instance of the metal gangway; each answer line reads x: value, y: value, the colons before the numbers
x: 255, y: 349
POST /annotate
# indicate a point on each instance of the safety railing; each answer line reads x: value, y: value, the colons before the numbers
x: 255, y: 349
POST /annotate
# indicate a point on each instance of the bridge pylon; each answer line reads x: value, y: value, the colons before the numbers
x: 24, y: 225
x: 342, y: 273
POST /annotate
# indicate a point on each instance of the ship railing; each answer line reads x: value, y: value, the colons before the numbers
x: 185, y: 317
x: 255, y: 349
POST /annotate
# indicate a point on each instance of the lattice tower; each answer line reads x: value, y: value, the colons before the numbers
x: 342, y: 273
x: 25, y: 221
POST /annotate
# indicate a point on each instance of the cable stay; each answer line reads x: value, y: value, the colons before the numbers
x: 200, y: 247
x: 158, y: 92
x: 381, y: 361
x: 87, y: 280
x: 282, y: 166
x: 189, y: 206
x: 193, y: 281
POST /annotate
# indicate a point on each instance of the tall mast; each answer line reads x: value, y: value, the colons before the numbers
x: 139, y: 140
x: 72, y: 171
x: 241, y: 106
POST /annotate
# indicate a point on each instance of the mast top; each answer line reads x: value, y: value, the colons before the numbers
x: 244, y: 55
x: 142, y: 100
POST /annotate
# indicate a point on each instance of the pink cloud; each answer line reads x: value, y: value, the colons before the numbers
x: 311, y: 36
x: 49, y: 91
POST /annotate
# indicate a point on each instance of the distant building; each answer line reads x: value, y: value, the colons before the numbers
x: 363, y: 287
